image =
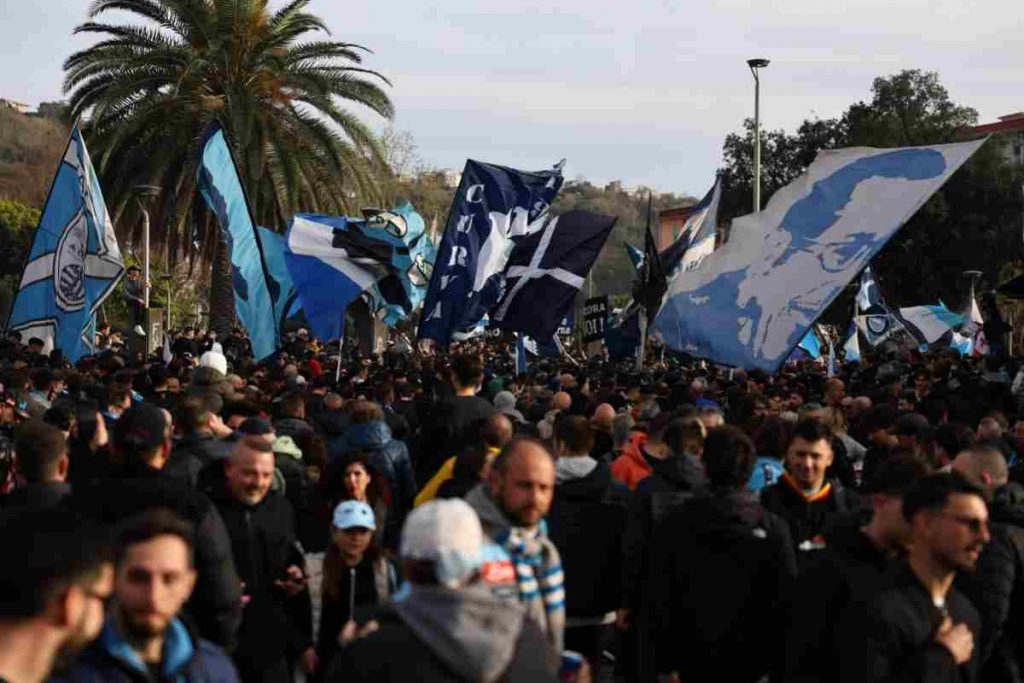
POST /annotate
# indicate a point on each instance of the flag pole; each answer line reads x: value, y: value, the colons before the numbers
x: 647, y: 273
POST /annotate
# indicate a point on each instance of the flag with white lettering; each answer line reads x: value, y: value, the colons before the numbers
x: 494, y: 208
x: 546, y: 270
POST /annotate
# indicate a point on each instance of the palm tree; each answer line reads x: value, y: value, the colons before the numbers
x: 148, y: 90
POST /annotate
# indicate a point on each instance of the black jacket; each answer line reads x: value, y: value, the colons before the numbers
x: 809, y: 521
x: 677, y: 473
x: 996, y: 587
x: 365, y: 598
x: 290, y: 426
x: 192, y: 453
x: 39, y: 496
x: 892, y: 637
x: 849, y: 572
x: 722, y: 564
x: 585, y: 523
x: 216, y: 603
x: 263, y: 540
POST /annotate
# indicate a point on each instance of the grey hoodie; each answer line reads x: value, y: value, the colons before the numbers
x: 469, y: 630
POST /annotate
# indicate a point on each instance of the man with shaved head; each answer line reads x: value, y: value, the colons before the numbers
x: 520, y: 561
x: 560, y: 403
x: 997, y: 584
x: 277, y: 624
x: 601, y: 421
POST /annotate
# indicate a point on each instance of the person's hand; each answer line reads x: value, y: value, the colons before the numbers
x: 349, y: 632
x: 957, y: 639
x: 294, y: 581
x: 217, y: 426
x: 310, y: 662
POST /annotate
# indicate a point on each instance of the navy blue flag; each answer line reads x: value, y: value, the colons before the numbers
x: 221, y: 187
x: 74, y: 263
x: 494, y: 208
x: 550, y: 266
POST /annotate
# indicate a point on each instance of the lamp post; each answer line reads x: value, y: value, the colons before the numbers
x: 755, y: 64
x: 143, y: 194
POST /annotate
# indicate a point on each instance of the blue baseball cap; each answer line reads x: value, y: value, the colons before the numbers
x: 351, y: 514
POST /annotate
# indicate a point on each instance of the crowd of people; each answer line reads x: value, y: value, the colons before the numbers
x: 197, y: 516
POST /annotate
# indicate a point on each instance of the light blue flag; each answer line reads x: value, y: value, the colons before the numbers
x: 851, y: 349
x: 332, y: 261
x: 751, y: 301
x: 282, y: 289
x: 811, y: 345
x: 74, y: 263
x: 929, y: 324
x: 399, y: 295
x: 222, y: 189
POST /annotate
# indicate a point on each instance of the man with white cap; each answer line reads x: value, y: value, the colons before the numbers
x: 444, y: 625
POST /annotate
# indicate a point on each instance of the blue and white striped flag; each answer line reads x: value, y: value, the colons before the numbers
x: 636, y: 256
x: 697, y: 237
x: 74, y: 262
x: 521, y: 365
x: 332, y: 262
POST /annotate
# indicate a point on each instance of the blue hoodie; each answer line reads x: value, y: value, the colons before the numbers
x: 185, y: 660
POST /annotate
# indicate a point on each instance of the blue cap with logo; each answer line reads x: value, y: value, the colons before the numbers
x: 351, y: 514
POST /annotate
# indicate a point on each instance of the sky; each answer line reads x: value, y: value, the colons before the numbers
x: 643, y: 91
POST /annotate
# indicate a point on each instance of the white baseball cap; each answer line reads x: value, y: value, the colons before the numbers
x: 447, y: 533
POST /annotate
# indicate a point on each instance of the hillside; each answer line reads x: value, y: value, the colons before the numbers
x: 29, y: 150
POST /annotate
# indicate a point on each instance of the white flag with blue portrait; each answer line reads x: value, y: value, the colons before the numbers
x: 752, y: 300
x: 74, y: 263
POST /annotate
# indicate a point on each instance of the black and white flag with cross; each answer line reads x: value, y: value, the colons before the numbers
x: 547, y: 269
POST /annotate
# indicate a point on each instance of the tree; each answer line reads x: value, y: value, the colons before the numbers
x: 17, y: 224
x: 147, y: 92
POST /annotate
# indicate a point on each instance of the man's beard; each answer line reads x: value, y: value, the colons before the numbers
x: 67, y: 655
x: 137, y: 630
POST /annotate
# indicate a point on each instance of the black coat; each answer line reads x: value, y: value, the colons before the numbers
x: 394, y: 653
x: 722, y: 564
x: 192, y: 453
x: 31, y: 497
x: 275, y: 627
x: 891, y: 637
x: 216, y: 603
x: 585, y: 523
x: 809, y: 521
x: 849, y: 572
x: 996, y: 587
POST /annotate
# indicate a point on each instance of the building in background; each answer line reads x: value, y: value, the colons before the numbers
x: 19, y: 107
x: 1008, y: 133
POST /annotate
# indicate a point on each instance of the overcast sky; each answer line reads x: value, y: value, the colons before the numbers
x: 643, y: 90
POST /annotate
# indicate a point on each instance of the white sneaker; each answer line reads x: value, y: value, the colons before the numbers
x: 139, y: 331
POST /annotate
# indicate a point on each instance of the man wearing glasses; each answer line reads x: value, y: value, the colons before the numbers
x: 921, y: 628
x: 52, y: 592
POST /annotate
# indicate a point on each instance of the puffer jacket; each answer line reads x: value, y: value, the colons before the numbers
x: 389, y: 456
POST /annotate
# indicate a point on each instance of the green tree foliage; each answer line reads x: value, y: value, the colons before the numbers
x: 147, y: 91
x: 973, y: 222
x: 17, y: 224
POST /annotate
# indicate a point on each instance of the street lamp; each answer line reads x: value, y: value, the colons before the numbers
x: 755, y: 64
x: 143, y: 194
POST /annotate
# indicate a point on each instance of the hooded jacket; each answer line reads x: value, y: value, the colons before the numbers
x: 186, y: 659
x: 809, y: 518
x: 631, y: 467
x: 435, y: 634
x: 996, y: 587
x: 722, y: 564
x: 586, y: 521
